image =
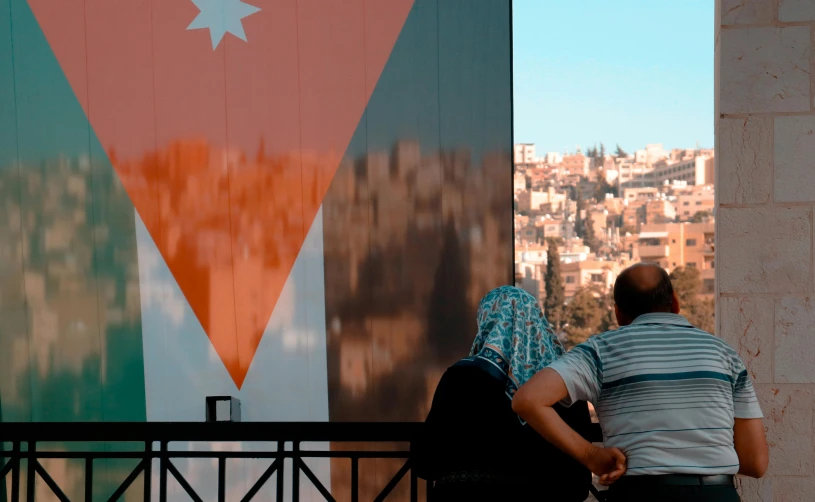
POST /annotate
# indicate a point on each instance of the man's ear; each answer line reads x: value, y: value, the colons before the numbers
x: 675, y: 303
x: 622, y: 319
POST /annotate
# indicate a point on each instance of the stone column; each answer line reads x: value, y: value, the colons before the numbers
x: 765, y: 190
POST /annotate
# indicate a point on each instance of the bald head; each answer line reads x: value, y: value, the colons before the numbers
x: 642, y: 289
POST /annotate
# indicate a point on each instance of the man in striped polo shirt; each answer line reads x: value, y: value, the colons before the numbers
x: 676, y: 401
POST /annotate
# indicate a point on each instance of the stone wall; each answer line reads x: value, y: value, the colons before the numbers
x: 765, y: 195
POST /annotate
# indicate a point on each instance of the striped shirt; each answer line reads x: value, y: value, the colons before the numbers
x: 666, y: 394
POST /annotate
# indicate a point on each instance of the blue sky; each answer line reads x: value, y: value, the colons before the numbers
x: 629, y: 71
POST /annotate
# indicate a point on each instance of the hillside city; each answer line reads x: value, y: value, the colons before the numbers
x: 597, y: 212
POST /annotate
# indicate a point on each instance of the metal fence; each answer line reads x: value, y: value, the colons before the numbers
x: 116, y: 440
x: 24, y: 437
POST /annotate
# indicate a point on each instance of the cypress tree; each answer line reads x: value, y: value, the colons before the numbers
x: 555, y: 291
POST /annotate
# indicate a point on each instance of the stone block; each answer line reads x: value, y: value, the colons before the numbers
x: 794, y: 489
x: 745, y: 162
x: 791, y: 11
x: 755, y: 490
x: 795, y: 341
x: 747, y: 12
x: 764, y: 249
x: 765, y: 70
x: 747, y: 326
x: 788, y: 422
x: 795, y: 159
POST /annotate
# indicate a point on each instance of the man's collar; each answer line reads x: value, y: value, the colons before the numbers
x: 662, y: 318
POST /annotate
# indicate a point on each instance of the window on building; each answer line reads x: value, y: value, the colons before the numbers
x: 686, y: 203
x: 596, y: 277
x: 690, y: 242
x: 698, y: 202
x: 709, y: 285
x: 691, y: 264
x: 569, y: 279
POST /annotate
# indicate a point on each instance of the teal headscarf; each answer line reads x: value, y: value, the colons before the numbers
x: 514, y: 339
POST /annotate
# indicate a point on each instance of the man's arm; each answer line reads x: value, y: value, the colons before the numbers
x: 751, y: 447
x: 533, y: 402
x: 748, y: 429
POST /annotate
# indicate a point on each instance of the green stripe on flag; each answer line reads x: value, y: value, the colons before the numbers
x: 70, y: 324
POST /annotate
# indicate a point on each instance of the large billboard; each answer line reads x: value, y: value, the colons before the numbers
x: 294, y: 202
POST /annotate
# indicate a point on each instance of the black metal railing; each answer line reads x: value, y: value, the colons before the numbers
x: 289, y: 438
x: 117, y: 440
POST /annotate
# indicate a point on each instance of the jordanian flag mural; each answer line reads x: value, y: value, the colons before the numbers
x: 294, y: 202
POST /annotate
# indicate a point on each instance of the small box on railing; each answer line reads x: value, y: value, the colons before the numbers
x: 223, y: 409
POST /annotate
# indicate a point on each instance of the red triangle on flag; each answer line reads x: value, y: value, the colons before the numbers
x: 226, y: 153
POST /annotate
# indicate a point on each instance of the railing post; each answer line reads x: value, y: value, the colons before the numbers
x: 221, y: 479
x: 354, y: 479
x: 30, y: 471
x: 15, y: 472
x: 414, y: 484
x: 148, y: 471
x: 295, y: 474
x: 88, y: 479
x: 162, y: 473
x: 281, y: 447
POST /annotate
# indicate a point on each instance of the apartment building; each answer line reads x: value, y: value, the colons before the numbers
x: 525, y: 153
x: 673, y: 245
x: 693, y: 200
x: 640, y: 193
x: 696, y: 170
x: 650, y: 155
x: 575, y: 164
x: 533, y: 200
x: 599, y: 274
x: 519, y: 183
x: 628, y: 170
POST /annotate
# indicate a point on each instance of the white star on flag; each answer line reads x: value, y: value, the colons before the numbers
x: 221, y: 17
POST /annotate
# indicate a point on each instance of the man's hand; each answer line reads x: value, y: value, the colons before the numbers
x: 607, y: 463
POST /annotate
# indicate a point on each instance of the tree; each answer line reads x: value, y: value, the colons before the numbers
x: 589, y: 236
x: 700, y: 216
x: 579, y: 226
x: 555, y: 291
x: 609, y: 320
x: 601, y: 154
x: 603, y: 187
x: 583, y: 316
x: 620, y: 153
x: 699, y: 312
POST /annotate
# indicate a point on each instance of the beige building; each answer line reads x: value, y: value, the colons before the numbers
x: 658, y: 211
x: 693, y: 200
x: 640, y: 193
x: 525, y: 153
x: 673, y: 245
x: 519, y: 183
x: 600, y: 274
x: 576, y: 164
x: 651, y: 155
x: 628, y: 170
x: 532, y: 200
x: 696, y: 170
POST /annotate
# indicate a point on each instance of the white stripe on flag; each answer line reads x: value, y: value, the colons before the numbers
x: 287, y: 380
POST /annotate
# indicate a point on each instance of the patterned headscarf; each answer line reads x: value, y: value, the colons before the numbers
x: 514, y: 338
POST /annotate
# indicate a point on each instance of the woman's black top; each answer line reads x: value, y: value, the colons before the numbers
x: 474, y: 447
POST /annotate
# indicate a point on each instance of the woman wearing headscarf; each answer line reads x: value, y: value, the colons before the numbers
x: 474, y: 447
